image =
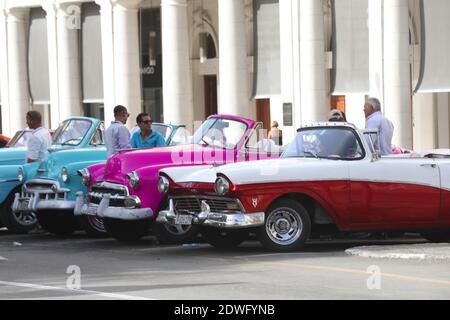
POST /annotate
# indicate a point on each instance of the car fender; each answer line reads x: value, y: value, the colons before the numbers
x: 9, y: 180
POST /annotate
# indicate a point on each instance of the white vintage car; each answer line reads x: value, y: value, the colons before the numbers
x: 330, y: 176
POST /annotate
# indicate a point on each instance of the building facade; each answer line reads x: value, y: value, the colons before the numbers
x: 182, y: 60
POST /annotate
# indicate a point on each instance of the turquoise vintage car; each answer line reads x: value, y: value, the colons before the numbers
x: 74, y: 132
x: 50, y: 188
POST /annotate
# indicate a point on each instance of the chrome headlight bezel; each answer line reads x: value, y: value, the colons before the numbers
x: 222, y: 186
x: 65, y: 175
x: 85, y: 176
x: 163, y: 185
x: 133, y: 179
x: 20, y: 175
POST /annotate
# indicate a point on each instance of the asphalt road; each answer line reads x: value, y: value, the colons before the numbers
x: 40, y: 266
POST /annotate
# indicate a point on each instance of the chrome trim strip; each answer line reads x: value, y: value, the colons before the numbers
x: 9, y: 180
x: 112, y: 186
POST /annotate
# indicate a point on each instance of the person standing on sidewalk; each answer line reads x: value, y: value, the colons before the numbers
x: 376, y: 120
x: 117, y: 136
x: 40, y: 140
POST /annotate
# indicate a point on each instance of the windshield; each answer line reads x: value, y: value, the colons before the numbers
x: 163, y: 129
x: 20, y: 139
x: 222, y: 133
x: 180, y: 137
x: 71, y: 132
x: 329, y: 143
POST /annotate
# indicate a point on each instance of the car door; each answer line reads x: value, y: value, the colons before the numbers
x: 394, y: 190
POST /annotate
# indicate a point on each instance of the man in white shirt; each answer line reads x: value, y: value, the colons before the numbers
x: 40, y: 139
x: 376, y: 120
x: 117, y: 136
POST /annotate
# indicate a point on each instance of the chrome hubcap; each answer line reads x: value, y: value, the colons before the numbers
x: 284, y: 226
x: 177, y: 230
x: 25, y: 218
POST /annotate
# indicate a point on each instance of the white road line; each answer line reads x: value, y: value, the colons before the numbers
x: 3, y: 258
x: 80, y: 291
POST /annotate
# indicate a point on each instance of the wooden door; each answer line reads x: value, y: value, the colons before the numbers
x: 263, y: 113
x: 210, y: 95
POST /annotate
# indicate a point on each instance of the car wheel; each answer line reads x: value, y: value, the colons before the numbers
x: 175, y: 234
x: 224, y: 239
x: 287, y: 226
x: 438, y: 236
x: 60, y: 223
x: 126, y: 230
x: 93, y: 226
x: 17, y: 222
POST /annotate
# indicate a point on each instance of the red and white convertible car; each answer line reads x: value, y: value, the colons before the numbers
x: 331, y: 175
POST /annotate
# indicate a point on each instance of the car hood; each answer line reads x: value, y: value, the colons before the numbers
x: 123, y: 163
x: 58, y: 158
x: 202, y: 174
x: 285, y: 170
x: 11, y: 156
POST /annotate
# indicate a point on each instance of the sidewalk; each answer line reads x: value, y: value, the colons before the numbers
x: 424, y: 251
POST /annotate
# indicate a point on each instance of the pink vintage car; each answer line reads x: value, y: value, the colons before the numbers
x: 123, y: 198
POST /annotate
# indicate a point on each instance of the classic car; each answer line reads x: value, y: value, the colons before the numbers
x: 124, y: 192
x: 330, y: 177
x: 49, y: 192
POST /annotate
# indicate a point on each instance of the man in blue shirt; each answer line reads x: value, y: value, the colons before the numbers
x: 145, y: 137
x: 376, y: 120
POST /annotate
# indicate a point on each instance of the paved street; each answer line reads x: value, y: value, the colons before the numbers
x: 35, y: 267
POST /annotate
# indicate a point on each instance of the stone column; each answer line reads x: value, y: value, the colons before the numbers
x: 69, y: 71
x: 177, y: 75
x: 376, y: 49
x: 19, y: 97
x: 233, y: 71
x: 312, y: 62
x: 397, y: 82
x: 109, y: 92
x: 4, y: 82
x: 52, y: 37
x: 127, y: 76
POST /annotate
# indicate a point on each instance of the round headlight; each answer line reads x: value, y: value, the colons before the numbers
x: 222, y: 186
x: 163, y: 185
x: 20, y: 175
x: 134, y: 179
x: 85, y: 176
x: 64, y: 175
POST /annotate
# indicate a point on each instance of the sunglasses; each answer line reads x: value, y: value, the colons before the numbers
x: 147, y: 122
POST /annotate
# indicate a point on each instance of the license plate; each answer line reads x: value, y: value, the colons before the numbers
x: 183, y: 219
x: 23, y: 204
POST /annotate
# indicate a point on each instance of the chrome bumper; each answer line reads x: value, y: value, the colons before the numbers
x: 226, y: 220
x: 32, y: 200
x: 103, y: 210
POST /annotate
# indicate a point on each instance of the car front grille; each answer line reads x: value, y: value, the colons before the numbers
x: 45, y: 190
x: 117, y: 193
x: 193, y: 204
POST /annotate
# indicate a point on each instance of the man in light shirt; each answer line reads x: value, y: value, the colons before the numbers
x: 117, y: 136
x: 376, y: 120
x: 40, y: 139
